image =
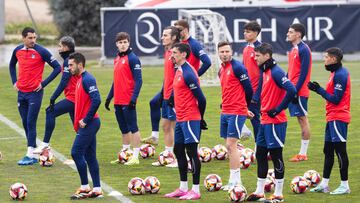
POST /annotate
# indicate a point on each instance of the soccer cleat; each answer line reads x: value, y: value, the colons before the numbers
x: 93, y: 194
x: 173, y: 164
x: 150, y: 140
x: 80, y: 194
x: 274, y: 199
x: 156, y: 163
x: 298, y: 158
x: 117, y: 161
x: 132, y: 161
x: 176, y: 193
x: 40, y: 149
x: 190, y: 195
x: 255, y: 198
x: 27, y: 161
x: 321, y: 189
x: 340, y: 191
x: 228, y: 186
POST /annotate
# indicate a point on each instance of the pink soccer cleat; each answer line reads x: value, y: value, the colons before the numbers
x: 176, y: 193
x: 190, y: 195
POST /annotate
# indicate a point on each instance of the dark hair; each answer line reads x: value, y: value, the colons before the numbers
x: 223, y: 43
x: 122, y: 36
x: 183, y: 23
x: 68, y: 41
x: 298, y: 27
x: 183, y: 48
x: 174, y: 31
x: 78, y: 58
x: 26, y: 30
x: 253, y: 26
x: 264, y: 48
x: 335, y: 52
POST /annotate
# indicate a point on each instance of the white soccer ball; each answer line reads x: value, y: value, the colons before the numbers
x: 240, y: 146
x: 147, y: 150
x: 166, y: 157
x: 270, y: 180
x: 219, y: 152
x: 237, y: 193
x: 299, y: 185
x: 250, y: 154
x: 47, y: 158
x: 18, y: 191
x: 136, y: 186
x: 204, y: 154
x: 125, y: 155
x: 152, y: 184
x: 313, y: 177
x: 212, y: 182
x: 244, y: 161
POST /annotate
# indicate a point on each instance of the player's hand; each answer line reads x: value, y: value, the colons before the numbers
x: 38, y: 88
x: 203, y: 125
x: 171, y: 102
x: 313, y: 86
x: 107, y: 103
x: 15, y: 87
x: 295, y: 100
x: 82, y: 124
x: 272, y: 113
x: 132, y: 105
x: 250, y: 115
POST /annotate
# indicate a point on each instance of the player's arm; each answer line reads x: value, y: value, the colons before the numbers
x: 283, y: 82
x: 257, y: 93
x: 241, y: 73
x: 90, y: 87
x: 304, y: 54
x: 48, y: 58
x: 340, y: 83
x: 65, y: 78
x: 135, y: 67
x: 12, y: 67
x: 199, y: 52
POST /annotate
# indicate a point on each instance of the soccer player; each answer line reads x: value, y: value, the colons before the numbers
x: 125, y: 90
x: 251, y: 31
x: 29, y: 85
x: 277, y: 92
x: 337, y: 95
x: 67, y: 84
x: 299, y: 71
x: 190, y: 104
x: 86, y: 125
x: 236, y: 94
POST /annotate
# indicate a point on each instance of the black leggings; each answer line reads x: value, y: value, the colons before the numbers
x: 340, y: 150
x: 191, y: 151
x: 277, y: 158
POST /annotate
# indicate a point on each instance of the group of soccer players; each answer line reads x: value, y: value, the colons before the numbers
x: 256, y: 88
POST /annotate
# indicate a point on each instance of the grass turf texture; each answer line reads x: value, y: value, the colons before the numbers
x: 56, y: 184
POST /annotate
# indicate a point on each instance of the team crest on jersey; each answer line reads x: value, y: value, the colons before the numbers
x: 228, y: 72
x: 123, y: 61
x: 179, y: 78
x: 32, y: 56
x: 284, y: 80
x: 252, y: 55
x: 338, y: 87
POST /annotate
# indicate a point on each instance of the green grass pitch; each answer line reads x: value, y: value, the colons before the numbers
x: 57, y: 183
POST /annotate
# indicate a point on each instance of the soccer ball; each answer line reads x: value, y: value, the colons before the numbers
x: 270, y: 180
x: 250, y: 154
x: 219, y: 152
x: 136, y: 186
x: 299, y: 185
x: 46, y: 158
x: 125, y: 155
x: 313, y: 177
x: 237, y: 193
x: 147, y: 150
x: 244, y: 161
x: 166, y: 157
x: 240, y: 146
x: 204, y: 154
x: 152, y: 184
x: 18, y: 191
x: 212, y: 182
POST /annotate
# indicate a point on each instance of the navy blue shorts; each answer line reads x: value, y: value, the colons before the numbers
x: 299, y: 109
x: 271, y: 135
x: 126, y: 119
x: 231, y: 125
x: 167, y: 112
x: 187, y: 132
x: 336, y: 131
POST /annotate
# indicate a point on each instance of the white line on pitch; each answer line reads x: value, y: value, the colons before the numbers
x: 10, y: 138
x: 107, y: 188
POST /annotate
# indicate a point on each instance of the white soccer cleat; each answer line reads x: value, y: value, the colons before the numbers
x: 40, y: 149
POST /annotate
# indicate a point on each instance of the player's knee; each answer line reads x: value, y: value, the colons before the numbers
x: 261, y: 153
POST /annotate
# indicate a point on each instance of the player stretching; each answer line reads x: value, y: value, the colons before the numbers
x: 236, y: 94
x: 125, y: 90
x: 337, y: 95
x: 67, y: 84
x: 277, y: 92
x: 29, y: 85
x: 299, y: 72
x: 190, y: 104
x: 86, y: 125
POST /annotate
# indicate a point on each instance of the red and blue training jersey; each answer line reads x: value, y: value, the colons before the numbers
x: 299, y: 70
x: 169, y: 73
x: 337, y: 95
x: 236, y: 88
x: 190, y: 102
x: 87, y: 99
x: 31, y: 67
x: 197, y: 54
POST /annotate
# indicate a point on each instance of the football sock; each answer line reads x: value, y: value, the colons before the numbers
x: 196, y: 188
x: 325, y: 182
x: 125, y: 146
x: 169, y: 149
x: 262, y: 162
x: 45, y: 144
x: 179, y: 150
x: 184, y: 186
x: 85, y: 187
x: 192, y: 152
x: 30, y: 152
x: 235, y: 176
x: 304, y: 147
x: 136, y: 152
x: 340, y: 149
x: 155, y: 134
x: 260, y: 186
x: 97, y: 189
x: 279, y: 183
x: 345, y: 183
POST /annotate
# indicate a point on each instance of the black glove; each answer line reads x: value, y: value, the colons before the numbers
x: 51, y: 105
x: 272, y: 113
x: 221, y: 106
x: 203, y: 125
x: 295, y: 100
x: 313, y: 86
x: 171, y: 102
x: 131, y: 105
x: 107, y: 103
